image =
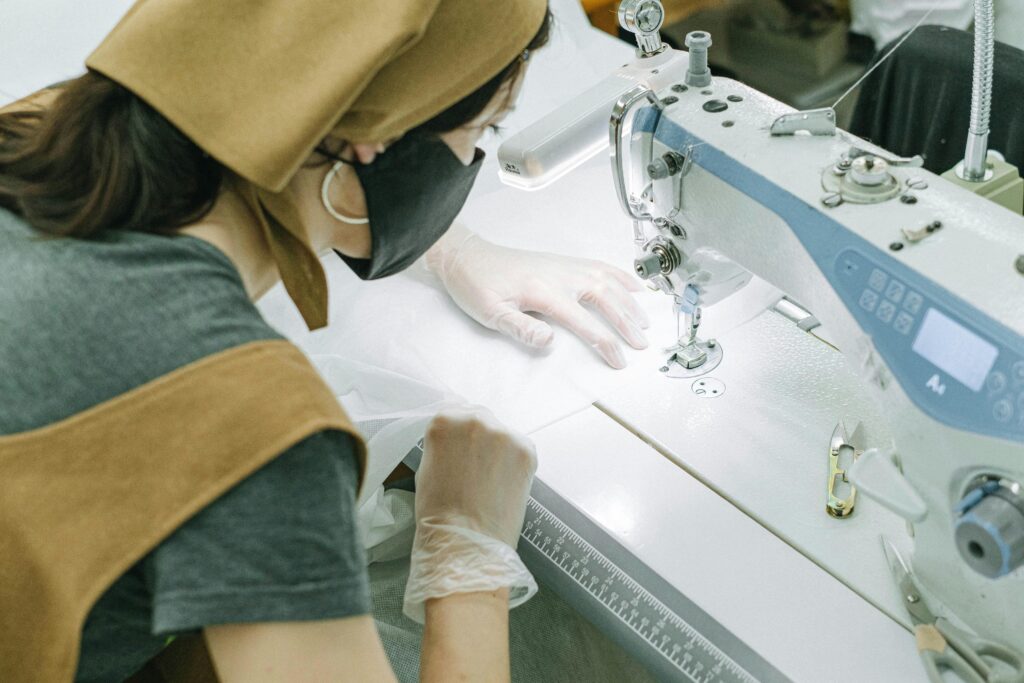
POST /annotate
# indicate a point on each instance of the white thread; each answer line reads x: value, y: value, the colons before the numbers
x: 324, y: 191
x: 882, y: 60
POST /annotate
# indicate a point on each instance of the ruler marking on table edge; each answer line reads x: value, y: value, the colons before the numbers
x: 541, y: 491
x: 658, y: 604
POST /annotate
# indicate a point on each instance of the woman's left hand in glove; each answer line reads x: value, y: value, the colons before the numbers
x: 498, y: 286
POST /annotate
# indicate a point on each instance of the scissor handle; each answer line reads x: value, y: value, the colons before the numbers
x: 938, y: 655
x: 973, y: 648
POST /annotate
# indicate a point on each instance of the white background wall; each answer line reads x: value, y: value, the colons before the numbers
x: 44, y: 41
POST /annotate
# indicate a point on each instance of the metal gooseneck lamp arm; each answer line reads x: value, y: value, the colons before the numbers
x: 974, y: 167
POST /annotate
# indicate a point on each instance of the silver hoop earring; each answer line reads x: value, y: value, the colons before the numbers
x: 325, y: 187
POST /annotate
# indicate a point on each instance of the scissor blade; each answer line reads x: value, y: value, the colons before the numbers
x: 900, y: 570
x: 909, y: 592
x: 857, y: 437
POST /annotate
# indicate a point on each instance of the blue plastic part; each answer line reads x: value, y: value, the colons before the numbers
x: 976, y: 496
x: 687, y: 303
x: 993, y: 532
x: 861, y: 275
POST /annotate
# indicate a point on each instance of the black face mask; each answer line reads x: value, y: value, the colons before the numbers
x: 413, y: 191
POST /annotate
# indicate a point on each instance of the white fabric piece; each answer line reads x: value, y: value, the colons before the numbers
x: 391, y: 522
x: 402, y: 405
x: 392, y: 412
x: 408, y: 325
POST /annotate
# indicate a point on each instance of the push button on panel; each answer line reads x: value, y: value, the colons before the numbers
x: 868, y: 300
x: 1018, y: 371
x: 913, y: 302
x: 894, y: 292
x: 903, y: 323
x: 1002, y: 411
x: 885, y: 311
x: 995, y: 382
x: 877, y: 280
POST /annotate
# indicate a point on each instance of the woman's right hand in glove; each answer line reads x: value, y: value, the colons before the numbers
x: 471, y: 492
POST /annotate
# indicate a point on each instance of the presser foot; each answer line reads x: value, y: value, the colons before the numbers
x: 692, y: 360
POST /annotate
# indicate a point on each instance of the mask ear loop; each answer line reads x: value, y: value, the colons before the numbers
x: 324, y: 191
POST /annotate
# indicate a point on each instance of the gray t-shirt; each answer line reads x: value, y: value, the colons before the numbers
x: 83, y: 321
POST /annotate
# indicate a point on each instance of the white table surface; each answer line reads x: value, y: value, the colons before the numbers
x: 764, y: 444
x: 797, y: 616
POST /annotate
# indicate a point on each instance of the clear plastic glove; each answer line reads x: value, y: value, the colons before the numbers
x: 471, y: 492
x: 497, y: 286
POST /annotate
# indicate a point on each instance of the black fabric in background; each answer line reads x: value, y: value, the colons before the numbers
x: 919, y: 100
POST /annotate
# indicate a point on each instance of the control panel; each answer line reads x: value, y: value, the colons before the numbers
x: 956, y: 372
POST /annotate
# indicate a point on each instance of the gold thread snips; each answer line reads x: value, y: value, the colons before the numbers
x: 844, y: 448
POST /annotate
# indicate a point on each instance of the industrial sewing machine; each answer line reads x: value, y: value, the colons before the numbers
x: 920, y: 283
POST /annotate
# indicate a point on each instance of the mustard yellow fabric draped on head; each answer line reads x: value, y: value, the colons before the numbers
x: 258, y: 84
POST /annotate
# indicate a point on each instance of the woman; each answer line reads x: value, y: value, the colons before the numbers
x: 170, y: 465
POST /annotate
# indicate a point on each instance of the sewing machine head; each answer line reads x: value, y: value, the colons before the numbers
x: 921, y: 281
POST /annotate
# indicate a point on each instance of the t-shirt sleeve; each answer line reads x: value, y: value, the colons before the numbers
x: 282, y: 545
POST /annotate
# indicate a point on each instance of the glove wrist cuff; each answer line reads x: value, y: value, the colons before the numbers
x: 449, y: 559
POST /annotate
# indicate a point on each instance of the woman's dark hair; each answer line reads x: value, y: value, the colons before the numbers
x: 100, y: 158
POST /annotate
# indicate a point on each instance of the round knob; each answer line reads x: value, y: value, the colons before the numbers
x: 698, y: 40
x: 667, y: 164
x: 649, y: 17
x: 648, y: 266
x: 869, y: 170
x: 990, y: 535
x: 641, y: 16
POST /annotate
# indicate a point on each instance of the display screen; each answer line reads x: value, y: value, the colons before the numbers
x: 954, y: 349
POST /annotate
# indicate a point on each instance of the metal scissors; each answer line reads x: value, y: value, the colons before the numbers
x: 942, y: 645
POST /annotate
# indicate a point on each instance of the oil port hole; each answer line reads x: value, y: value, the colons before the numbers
x: 975, y: 549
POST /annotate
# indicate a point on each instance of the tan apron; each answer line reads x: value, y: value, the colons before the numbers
x: 84, y: 499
